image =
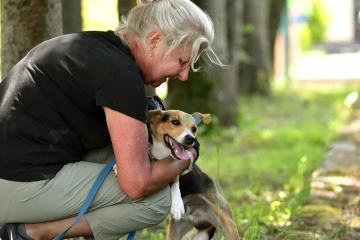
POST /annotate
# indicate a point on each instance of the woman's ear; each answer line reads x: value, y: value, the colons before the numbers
x: 198, y: 117
x: 153, y: 40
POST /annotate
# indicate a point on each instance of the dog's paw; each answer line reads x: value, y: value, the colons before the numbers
x: 114, y: 169
x: 177, y: 210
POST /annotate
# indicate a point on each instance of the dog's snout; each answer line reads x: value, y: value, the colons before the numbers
x: 189, y: 139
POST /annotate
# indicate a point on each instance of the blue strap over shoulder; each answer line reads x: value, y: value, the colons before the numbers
x: 91, y: 195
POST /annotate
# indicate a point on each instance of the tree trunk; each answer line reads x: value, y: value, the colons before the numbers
x: 235, y: 39
x: 276, y: 9
x: 71, y: 16
x: 26, y: 23
x: 227, y: 43
x: 214, y: 90
x: 256, y: 75
x: 123, y: 8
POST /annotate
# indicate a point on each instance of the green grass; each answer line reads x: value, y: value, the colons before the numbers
x: 264, y: 165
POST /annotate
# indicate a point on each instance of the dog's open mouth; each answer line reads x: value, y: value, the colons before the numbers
x: 177, y: 149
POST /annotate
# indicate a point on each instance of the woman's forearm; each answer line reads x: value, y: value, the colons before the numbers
x: 162, y: 172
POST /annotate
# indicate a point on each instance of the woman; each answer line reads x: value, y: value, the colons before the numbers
x: 70, y: 99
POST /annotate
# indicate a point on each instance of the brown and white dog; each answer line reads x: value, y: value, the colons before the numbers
x: 196, y: 201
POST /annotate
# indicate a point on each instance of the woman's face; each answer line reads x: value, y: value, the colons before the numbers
x: 156, y: 67
x: 175, y: 65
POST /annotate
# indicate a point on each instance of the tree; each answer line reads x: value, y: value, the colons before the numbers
x: 26, y: 23
x: 228, y: 27
x: 276, y: 9
x: 255, y: 75
x: 215, y: 90
x: 262, y: 19
x: 71, y: 16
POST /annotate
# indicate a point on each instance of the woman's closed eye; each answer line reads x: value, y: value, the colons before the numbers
x: 183, y: 63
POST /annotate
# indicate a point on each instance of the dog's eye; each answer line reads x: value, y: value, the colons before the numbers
x: 175, y: 122
x: 193, y: 129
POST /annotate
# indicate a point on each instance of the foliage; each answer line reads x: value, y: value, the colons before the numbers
x: 305, y: 37
x: 315, y: 28
x: 264, y: 165
x: 318, y: 20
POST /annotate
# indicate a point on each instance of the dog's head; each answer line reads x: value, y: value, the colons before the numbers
x: 173, y: 131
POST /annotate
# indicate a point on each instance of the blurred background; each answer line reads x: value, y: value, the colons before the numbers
x: 291, y: 85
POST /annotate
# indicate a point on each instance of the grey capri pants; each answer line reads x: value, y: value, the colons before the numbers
x: 111, y: 215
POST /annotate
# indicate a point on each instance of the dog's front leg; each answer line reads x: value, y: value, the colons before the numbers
x: 177, y: 205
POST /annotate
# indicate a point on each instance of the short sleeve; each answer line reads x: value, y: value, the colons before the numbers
x: 124, y: 91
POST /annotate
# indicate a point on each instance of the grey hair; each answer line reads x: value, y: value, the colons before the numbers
x: 181, y: 21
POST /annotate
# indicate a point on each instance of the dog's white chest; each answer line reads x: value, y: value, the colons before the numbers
x: 159, y: 151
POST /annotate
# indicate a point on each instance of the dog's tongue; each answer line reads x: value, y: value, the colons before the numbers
x: 180, y: 151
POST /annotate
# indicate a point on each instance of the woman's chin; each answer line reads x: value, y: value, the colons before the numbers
x: 156, y: 84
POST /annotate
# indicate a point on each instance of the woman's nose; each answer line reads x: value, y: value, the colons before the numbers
x: 184, y: 73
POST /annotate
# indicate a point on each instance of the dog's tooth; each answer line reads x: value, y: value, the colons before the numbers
x: 170, y: 141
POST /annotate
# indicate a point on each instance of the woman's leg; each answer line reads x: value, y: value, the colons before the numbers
x: 112, y: 213
x: 109, y: 223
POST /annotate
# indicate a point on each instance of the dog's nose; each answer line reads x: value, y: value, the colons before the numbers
x: 189, y: 139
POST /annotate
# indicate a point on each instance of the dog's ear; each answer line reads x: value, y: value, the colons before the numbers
x: 153, y: 115
x: 198, y: 117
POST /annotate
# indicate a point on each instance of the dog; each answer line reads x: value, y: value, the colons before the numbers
x: 196, y: 201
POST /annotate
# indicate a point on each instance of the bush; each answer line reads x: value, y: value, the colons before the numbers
x: 315, y: 28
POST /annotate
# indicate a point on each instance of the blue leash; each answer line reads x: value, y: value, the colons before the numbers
x: 94, y: 189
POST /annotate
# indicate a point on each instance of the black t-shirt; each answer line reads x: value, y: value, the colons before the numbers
x: 50, y: 102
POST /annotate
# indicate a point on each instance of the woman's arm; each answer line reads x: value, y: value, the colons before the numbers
x: 138, y: 176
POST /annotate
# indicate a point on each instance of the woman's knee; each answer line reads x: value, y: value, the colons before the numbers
x: 159, y: 204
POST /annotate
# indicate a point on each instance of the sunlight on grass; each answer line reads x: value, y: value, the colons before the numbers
x: 279, y: 144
